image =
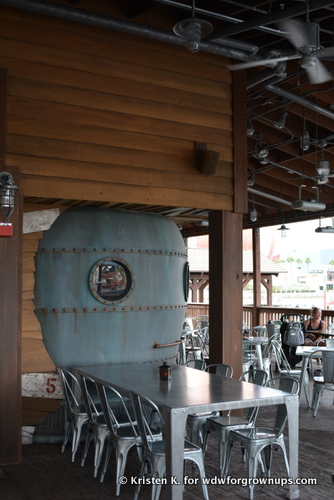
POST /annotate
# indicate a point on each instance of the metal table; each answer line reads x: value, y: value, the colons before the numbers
x: 258, y: 342
x: 305, y: 352
x: 192, y: 391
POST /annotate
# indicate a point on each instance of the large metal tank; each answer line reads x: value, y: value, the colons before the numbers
x: 109, y: 286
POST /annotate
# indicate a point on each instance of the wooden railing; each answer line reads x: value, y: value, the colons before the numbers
x: 197, y: 309
x: 265, y: 313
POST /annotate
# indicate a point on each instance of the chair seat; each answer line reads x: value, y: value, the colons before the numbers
x: 160, y: 447
x: 255, y: 433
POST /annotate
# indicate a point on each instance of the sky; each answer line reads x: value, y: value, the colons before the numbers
x: 301, y: 242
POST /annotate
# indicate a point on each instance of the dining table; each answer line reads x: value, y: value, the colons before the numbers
x: 258, y: 343
x: 194, y: 391
x: 305, y: 352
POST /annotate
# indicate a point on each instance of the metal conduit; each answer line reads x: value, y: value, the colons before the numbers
x: 107, y: 22
x: 300, y: 100
x: 269, y: 196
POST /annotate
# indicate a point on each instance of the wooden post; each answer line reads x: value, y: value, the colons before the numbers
x: 10, y: 312
x: 225, y: 271
x: 256, y: 276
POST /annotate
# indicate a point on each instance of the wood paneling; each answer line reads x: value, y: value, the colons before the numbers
x: 34, y: 355
x: 101, y: 116
x: 35, y: 410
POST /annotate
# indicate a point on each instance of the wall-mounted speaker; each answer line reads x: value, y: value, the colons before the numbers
x: 206, y: 161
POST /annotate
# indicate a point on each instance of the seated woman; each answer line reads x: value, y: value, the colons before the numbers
x: 313, y: 327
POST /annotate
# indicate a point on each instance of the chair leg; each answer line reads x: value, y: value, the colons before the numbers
x: 68, y: 428
x: 227, y: 458
x: 141, y: 474
x: 266, y: 455
x: 223, y: 443
x: 317, y: 398
x: 87, y: 443
x: 106, y: 461
x: 77, y: 428
x: 252, y: 469
x: 201, y: 469
x: 100, y: 438
x: 121, y: 457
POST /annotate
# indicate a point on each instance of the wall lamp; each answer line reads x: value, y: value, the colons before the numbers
x: 7, y: 193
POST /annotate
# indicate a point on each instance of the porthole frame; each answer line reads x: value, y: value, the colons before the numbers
x: 96, y: 273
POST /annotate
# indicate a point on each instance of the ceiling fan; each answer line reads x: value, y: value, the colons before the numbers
x: 324, y: 172
x: 322, y: 167
x: 304, y: 36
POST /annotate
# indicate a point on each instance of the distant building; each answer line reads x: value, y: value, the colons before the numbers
x: 199, y: 272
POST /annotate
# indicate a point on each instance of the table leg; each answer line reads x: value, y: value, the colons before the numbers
x: 302, y: 377
x: 259, y: 356
x: 292, y: 406
x: 174, y: 427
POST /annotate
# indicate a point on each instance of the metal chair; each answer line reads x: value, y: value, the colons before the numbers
x: 225, y: 424
x: 154, y: 453
x: 198, y: 364
x: 76, y: 409
x: 221, y: 369
x: 324, y: 379
x: 122, y: 435
x: 260, y: 440
x: 97, y: 422
x: 197, y: 421
x: 269, y: 352
x: 203, y: 339
x: 285, y: 369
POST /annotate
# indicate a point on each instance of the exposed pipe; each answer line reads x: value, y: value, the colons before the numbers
x: 107, y: 22
x: 274, y: 74
x: 300, y: 100
x: 269, y: 196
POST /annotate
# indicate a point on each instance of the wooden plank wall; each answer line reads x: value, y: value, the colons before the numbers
x: 34, y: 355
x: 103, y: 116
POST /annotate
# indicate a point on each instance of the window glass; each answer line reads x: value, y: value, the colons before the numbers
x: 110, y: 281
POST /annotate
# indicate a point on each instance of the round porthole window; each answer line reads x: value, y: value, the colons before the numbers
x: 186, y: 278
x: 110, y: 281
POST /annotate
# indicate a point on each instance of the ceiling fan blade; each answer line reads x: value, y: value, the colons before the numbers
x: 262, y: 62
x: 295, y: 33
x: 318, y: 73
